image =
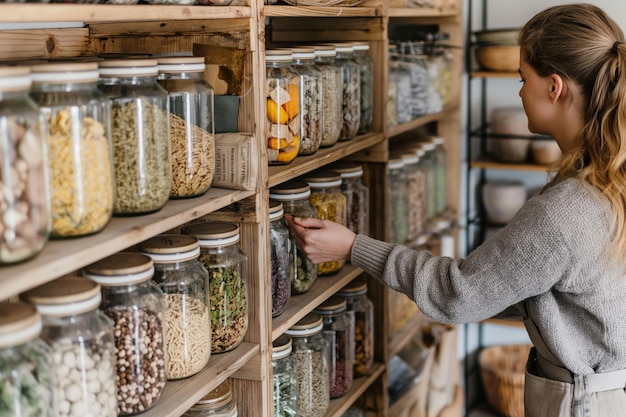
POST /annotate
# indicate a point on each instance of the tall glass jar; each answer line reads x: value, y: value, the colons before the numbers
x: 282, y: 258
x: 25, y: 211
x: 79, y: 146
x: 351, y: 89
x: 441, y: 158
x: 217, y: 403
x: 228, y: 281
x: 392, y: 95
x: 294, y: 195
x: 415, y: 220
x: 284, y: 119
x: 332, y: 94
x: 285, y: 377
x: 397, y: 201
x: 135, y: 304
x: 26, y: 367
x: 357, y: 195
x: 310, y: 351
x: 184, y: 282
x: 366, y: 76
x: 339, y: 332
x: 330, y: 203
x: 429, y: 160
x: 404, y: 97
x: 141, y: 135
x: 362, y: 307
x: 81, y: 338
x: 413, y: 60
x: 192, y: 131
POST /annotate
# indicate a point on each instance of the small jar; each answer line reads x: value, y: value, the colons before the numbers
x: 228, y: 281
x: 397, y: 201
x: 26, y: 367
x: 79, y: 146
x: 330, y: 203
x: 285, y: 378
x: 441, y: 158
x: 25, y: 208
x: 362, y: 307
x: 294, y: 195
x: 81, y: 338
x: 217, y: 403
x: 184, y: 282
x: 415, y: 220
x: 141, y: 135
x: 310, y: 352
x: 339, y: 332
x: 429, y: 160
x: 357, y: 196
x: 135, y: 304
x: 366, y: 76
x: 282, y: 258
x: 192, y: 131
x: 332, y: 95
x: 284, y: 119
x: 351, y: 88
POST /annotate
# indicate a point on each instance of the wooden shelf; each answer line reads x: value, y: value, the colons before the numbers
x: 319, y: 11
x: 493, y: 74
x: 397, y: 12
x: 509, y: 323
x: 419, y: 122
x: 487, y: 164
x: 410, y: 330
x: 339, y: 406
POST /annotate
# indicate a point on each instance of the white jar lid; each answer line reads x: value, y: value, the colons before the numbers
x: 214, y: 234
x: 302, y: 53
x: 361, y: 46
x: 67, y: 296
x: 110, y: 68
x: 65, y: 72
x: 177, y: 64
x: 19, y: 323
x: 122, y: 268
x: 171, y: 248
x: 15, y: 79
x: 325, y: 50
x: 278, y: 55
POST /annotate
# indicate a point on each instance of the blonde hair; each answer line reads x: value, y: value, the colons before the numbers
x: 583, y: 45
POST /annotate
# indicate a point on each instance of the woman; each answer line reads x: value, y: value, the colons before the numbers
x: 559, y: 264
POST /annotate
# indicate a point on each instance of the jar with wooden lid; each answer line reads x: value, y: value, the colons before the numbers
x: 217, y: 403
x: 25, y: 211
x: 79, y: 146
x: 228, y: 281
x: 140, y: 135
x: 192, y: 131
x: 285, y: 378
x: 81, y: 338
x: 351, y: 90
x: 356, y: 193
x: 184, y: 282
x: 397, y: 201
x: 332, y: 114
x: 294, y: 194
x: 366, y: 76
x: 26, y: 367
x: 282, y: 258
x: 135, y: 305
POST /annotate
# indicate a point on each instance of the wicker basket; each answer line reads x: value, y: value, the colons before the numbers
x: 502, y: 371
x: 498, y: 57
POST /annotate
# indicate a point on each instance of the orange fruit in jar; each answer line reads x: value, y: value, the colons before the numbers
x: 275, y: 113
x: 289, y: 153
x: 292, y: 107
x: 276, y: 143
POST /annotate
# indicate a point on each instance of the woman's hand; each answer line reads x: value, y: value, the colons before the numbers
x: 321, y: 240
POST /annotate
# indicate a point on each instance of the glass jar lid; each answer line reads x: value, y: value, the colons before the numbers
x: 361, y: 46
x: 171, y: 248
x: 67, y: 296
x: 323, y: 179
x: 110, y: 68
x: 122, y: 268
x: 278, y: 55
x: 302, y: 53
x: 214, y: 234
x: 19, y: 323
x: 355, y: 287
x: 410, y: 158
x: 325, y: 50
x: 348, y: 169
x: 65, y: 72
x: 276, y: 209
x: 395, y: 163
x: 290, y: 190
x: 217, y: 398
x: 281, y: 348
x: 177, y: 64
x: 309, y: 325
x: 334, y: 304
x: 343, y: 48
x: 14, y: 79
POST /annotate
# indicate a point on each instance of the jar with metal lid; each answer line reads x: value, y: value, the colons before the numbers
x: 228, y: 281
x: 26, y: 368
x: 135, y: 304
x: 217, y: 403
x: 441, y: 169
x: 332, y: 96
x: 25, y: 211
x: 284, y: 119
x: 294, y: 194
x: 282, y: 258
x: 79, y: 146
x: 357, y: 195
x: 192, y: 131
x: 141, y: 135
x: 351, y: 90
x: 184, y: 282
x: 366, y: 77
x: 362, y: 307
x: 397, y: 201
x: 81, y: 339
x: 429, y: 160
x: 415, y: 218
x: 285, y: 377
x: 310, y: 352
x: 339, y: 332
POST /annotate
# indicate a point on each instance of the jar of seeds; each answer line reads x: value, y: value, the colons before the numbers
x: 357, y: 195
x: 282, y: 258
x: 192, y: 131
x: 79, y: 146
x: 351, y: 89
x: 285, y: 376
x: 332, y: 95
x: 24, y: 197
x: 141, y: 135
x: 217, y: 403
x: 184, y: 282
x: 366, y: 75
x: 310, y: 352
x: 294, y: 195
x: 228, y: 281
x: 397, y: 201
x: 135, y: 304
x: 81, y: 338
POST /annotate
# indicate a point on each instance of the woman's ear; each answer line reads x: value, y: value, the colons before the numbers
x: 557, y: 87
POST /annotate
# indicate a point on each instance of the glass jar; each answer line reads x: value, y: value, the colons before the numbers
x: 310, y: 352
x: 25, y: 211
x: 397, y: 201
x: 392, y: 96
x: 135, y: 304
x: 282, y: 258
x: 228, y: 281
x: 413, y: 60
x: 330, y: 203
x: 285, y: 378
x: 184, y: 282
x: 79, y: 146
x: 357, y: 195
x: 339, y: 332
x: 81, y: 339
x: 351, y: 90
x: 429, y: 160
x: 366, y: 76
x: 192, y: 132
x: 441, y: 169
x: 332, y: 95
x: 362, y: 307
x: 353, y: 412
x: 415, y: 220
x: 26, y: 367
x: 404, y: 99
x: 294, y: 194
x: 217, y: 403
x: 284, y: 119
x: 141, y: 135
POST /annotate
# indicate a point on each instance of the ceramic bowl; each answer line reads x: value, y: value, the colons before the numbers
x: 545, y: 151
x: 503, y: 199
x: 512, y: 149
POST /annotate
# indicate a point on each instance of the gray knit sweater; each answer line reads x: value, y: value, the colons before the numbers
x: 552, y: 255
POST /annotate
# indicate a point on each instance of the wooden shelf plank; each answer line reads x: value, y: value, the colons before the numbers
x: 61, y: 257
x: 486, y: 164
x: 419, y: 122
x: 410, y: 330
x: 339, y: 406
x: 419, y: 12
x: 509, y: 323
x: 319, y: 11
x: 493, y: 74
